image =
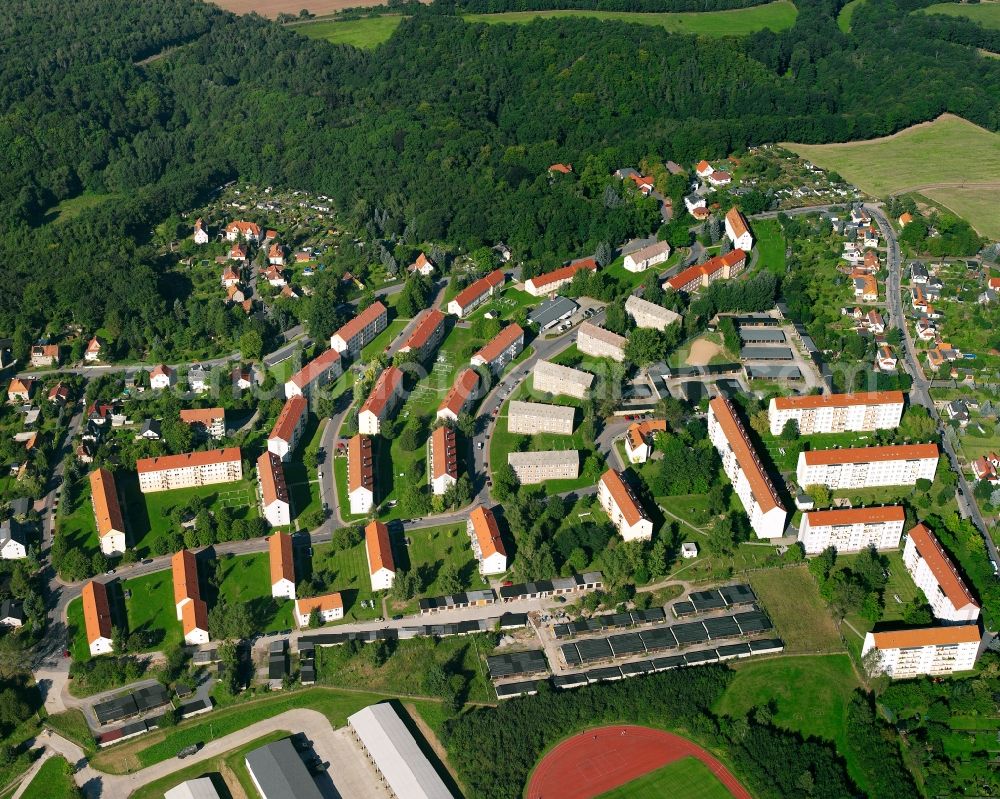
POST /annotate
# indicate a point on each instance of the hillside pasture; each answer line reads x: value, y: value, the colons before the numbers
x: 366, y: 33
x: 986, y: 14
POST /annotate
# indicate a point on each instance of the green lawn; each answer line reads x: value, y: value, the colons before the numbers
x: 846, y: 13
x: 378, y: 344
x: 246, y: 579
x: 687, y: 778
x: 53, y: 780
x: 76, y: 521
x: 770, y: 245
x: 777, y: 16
x: 365, y: 33
x: 151, y: 609
x: 791, y: 598
x: 986, y: 14
x: 300, y: 473
x: 74, y: 206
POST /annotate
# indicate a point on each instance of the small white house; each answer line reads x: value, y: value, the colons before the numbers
x: 329, y: 606
x: 93, y: 351
x: 689, y: 549
x: 162, y: 376
x: 200, y: 232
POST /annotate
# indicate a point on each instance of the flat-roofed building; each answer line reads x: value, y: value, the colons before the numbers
x: 864, y: 467
x: 639, y: 438
x: 623, y: 507
x: 902, y: 654
x: 487, y: 545
x: 442, y: 460
x: 503, y: 349
x: 361, y: 330
x: 190, y: 469
x: 314, y: 375
x: 852, y: 529
x: 360, y: 475
x: 935, y: 574
x: 278, y: 772
x: 555, y: 379
x: 552, y: 312
x: 382, y: 401
x: 288, y: 428
x: 745, y: 471
x: 540, y: 285
x: 460, y: 397
x: 552, y: 464
x: 97, y: 618
x: 192, y: 611
x: 650, y: 315
x: 476, y: 293
x: 201, y: 788
x: 837, y: 413
x: 738, y: 230
x: 403, y: 768
x: 208, y: 421
x: 330, y: 607
x: 529, y: 418
x: 601, y: 343
x: 426, y: 335
x: 272, y: 489
x: 721, y: 267
x: 641, y: 260
x: 107, y: 512
x: 282, y: 561
x: 378, y: 549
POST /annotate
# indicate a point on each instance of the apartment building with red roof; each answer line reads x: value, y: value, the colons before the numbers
x: 623, y: 507
x: 321, y: 370
x: 934, y: 651
x: 863, y: 411
x: 360, y: 475
x: 487, y: 545
x: 738, y: 230
x: 281, y: 559
x: 329, y: 607
x: 107, y: 512
x: 852, y: 529
x: 352, y: 337
x: 378, y: 549
x: 191, y: 609
x: 272, y: 490
x: 382, y: 401
x: 544, y: 284
x: 190, y: 469
x: 442, y: 459
x: 866, y: 467
x: 207, y: 421
x: 476, y: 293
x: 503, y: 349
x: 937, y: 576
x: 721, y: 267
x: 97, y: 618
x: 426, y: 334
x: 289, y: 427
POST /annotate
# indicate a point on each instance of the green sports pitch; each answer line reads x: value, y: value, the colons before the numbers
x: 687, y: 778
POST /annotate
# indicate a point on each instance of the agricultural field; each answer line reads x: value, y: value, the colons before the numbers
x: 986, y: 14
x: 365, y: 33
x: 688, y: 777
x: 950, y: 160
x: 777, y: 16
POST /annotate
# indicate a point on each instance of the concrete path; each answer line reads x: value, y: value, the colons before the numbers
x: 30, y: 775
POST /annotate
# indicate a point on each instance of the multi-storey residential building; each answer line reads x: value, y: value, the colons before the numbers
x: 476, y: 294
x: 540, y: 285
x: 107, y: 512
x: 190, y: 469
x: 537, y: 467
x: 442, y: 460
x: 601, y: 343
x: 247, y: 230
x: 931, y: 650
x: 362, y: 329
x: 487, y: 545
x: 864, y: 467
x: 650, y: 315
x: 384, y: 397
x: 314, y: 375
x: 360, y: 474
x: 378, y: 548
x: 272, y: 490
x: 529, y: 418
x: 97, y: 618
x: 852, y: 529
x: 210, y: 422
x: 460, y: 397
x: 503, y: 349
x: 426, y: 335
x: 738, y: 230
x: 192, y: 611
x: 837, y: 413
x: 282, y: 562
x: 935, y: 574
x: 330, y: 607
x: 639, y: 438
x: 745, y: 471
x: 288, y: 428
x: 555, y: 379
x: 641, y: 260
x: 721, y: 267
x: 623, y: 508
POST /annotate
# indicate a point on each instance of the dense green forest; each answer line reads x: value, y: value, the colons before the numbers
x: 443, y: 133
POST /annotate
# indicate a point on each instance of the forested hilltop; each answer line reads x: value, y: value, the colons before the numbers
x: 445, y: 131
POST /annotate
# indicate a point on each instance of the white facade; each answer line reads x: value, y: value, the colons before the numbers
x: 601, y: 343
x: 327, y: 612
x: 101, y: 646
x: 623, y: 508
x: 936, y: 576
x: 652, y: 255
x: 529, y: 418
x: 537, y: 467
x: 837, y: 413
x: 650, y: 315
x: 352, y: 337
x: 555, y: 379
x: 361, y: 501
x: 738, y: 232
x: 191, y: 469
x: 865, y: 467
x: 11, y: 548
x: 931, y: 651
x: 113, y: 543
x: 851, y: 529
x: 162, y: 377
x: 277, y: 512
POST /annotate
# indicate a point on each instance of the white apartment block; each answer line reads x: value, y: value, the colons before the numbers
x: 540, y: 285
x: 361, y: 330
x: 650, y: 315
x: 107, y: 512
x: 931, y: 651
x: 378, y: 549
x: 384, y: 397
x: 503, y: 349
x: 745, y: 471
x: 97, y: 618
x: 738, y: 231
x: 935, y: 574
x: 641, y: 260
x: 360, y: 475
x: 272, y: 490
x: 476, y: 294
x: 282, y: 563
x: 864, y: 467
x: 529, y: 418
x: 442, y: 459
x: 537, y: 467
x: 837, y: 413
x: 555, y: 379
x: 639, y: 439
x: 314, y: 375
x: 852, y: 529
x: 487, y: 545
x: 289, y: 427
x: 329, y: 606
x: 190, y: 469
x: 460, y: 397
x: 623, y: 508
x: 601, y: 343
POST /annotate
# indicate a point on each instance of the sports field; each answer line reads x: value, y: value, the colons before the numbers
x: 777, y: 16
x: 364, y: 33
x: 686, y: 779
x: 986, y: 14
x: 949, y: 160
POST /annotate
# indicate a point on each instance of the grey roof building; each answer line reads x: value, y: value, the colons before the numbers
x: 278, y: 772
x: 552, y: 312
x: 557, y: 379
x: 537, y: 417
x: 201, y: 788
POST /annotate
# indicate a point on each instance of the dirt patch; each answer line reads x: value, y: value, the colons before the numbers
x: 702, y: 352
x: 271, y: 8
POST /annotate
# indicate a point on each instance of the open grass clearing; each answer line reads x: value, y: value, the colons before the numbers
x: 688, y: 778
x: 777, y: 16
x: 968, y: 202
x: 986, y: 14
x: 846, y: 13
x: 53, y: 780
x: 770, y: 245
x: 74, y: 206
x: 365, y: 33
x: 791, y: 599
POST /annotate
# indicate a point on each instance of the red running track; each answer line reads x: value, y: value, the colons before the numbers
x: 597, y: 761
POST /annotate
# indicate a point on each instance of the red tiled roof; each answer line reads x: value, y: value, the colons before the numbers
x: 202, y: 416
x: 466, y: 382
x: 427, y: 322
x: 96, y: 611
x: 314, y: 368
x: 901, y: 452
x: 445, y: 451
x: 627, y: 504
x: 165, y: 462
x: 710, y: 267
x: 161, y: 369
x: 104, y: 495
x: 941, y: 567
x: 360, y: 467
x: 564, y: 169
x: 307, y: 605
x: 762, y: 488
x: 504, y: 339
x: 563, y: 273
x: 379, y: 548
x: 838, y: 516
x: 737, y: 222
x: 386, y: 388
x: 471, y: 293
x: 484, y: 525
x: 839, y: 400
x: 288, y: 419
x: 194, y: 616
x: 927, y: 636
x: 272, y: 478
x: 246, y: 228
x: 185, y: 574
x: 282, y: 561
x: 361, y: 321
